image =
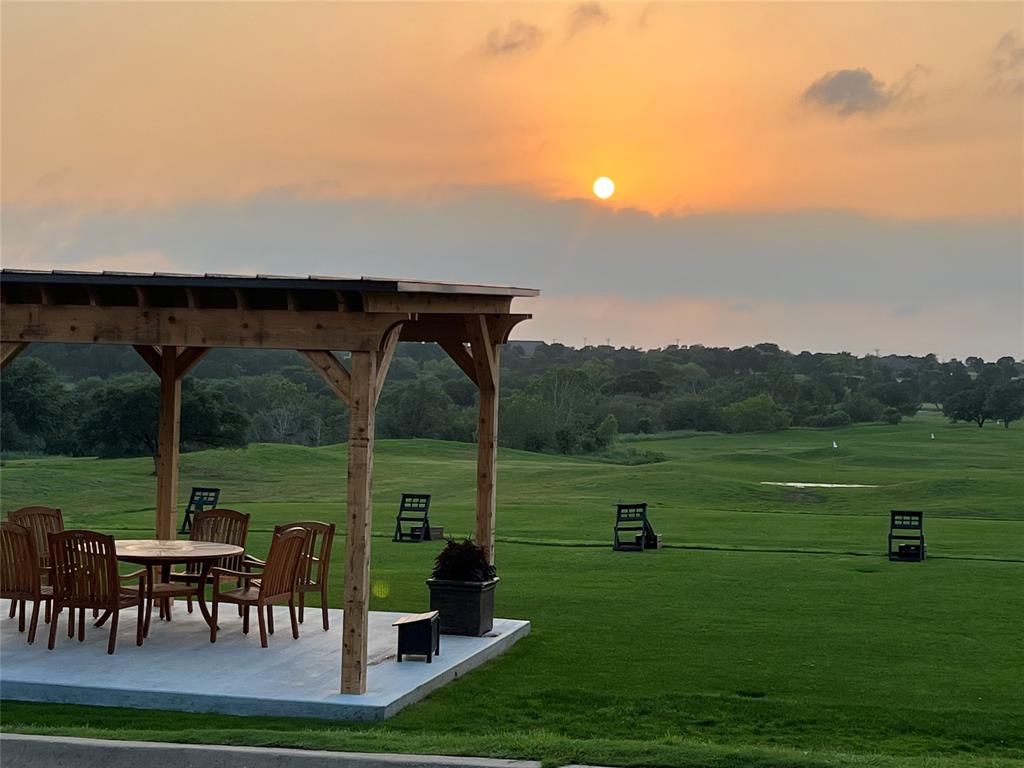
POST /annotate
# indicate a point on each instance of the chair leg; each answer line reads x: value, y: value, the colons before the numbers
x: 81, y: 625
x: 213, y: 620
x: 188, y: 602
x: 53, y: 627
x: 245, y: 618
x: 170, y: 604
x: 21, y: 615
x: 14, y: 609
x: 71, y: 622
x: 263, y: 626
x: 113, y: 632
x: 33, y: 622
x: 323, y: 605
x: 302, y: 607
x: 140, y: 623
x: 291, y: 613
x: 270, y: 619
x: 46, y: 614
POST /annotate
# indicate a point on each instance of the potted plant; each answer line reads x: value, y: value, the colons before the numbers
x: 462, y: 589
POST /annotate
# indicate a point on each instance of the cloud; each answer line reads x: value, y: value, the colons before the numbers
x: 1007, y: 65
x: 584, y: 16
x: 518, y: 37
x: 810, y: 279
x: 857, y: 91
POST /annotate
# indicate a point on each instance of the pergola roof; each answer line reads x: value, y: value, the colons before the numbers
x: 286, y: 282
x: 255, y: 311
x: 173, y: 320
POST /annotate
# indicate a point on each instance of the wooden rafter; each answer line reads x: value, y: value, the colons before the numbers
x: 460, y: 355
x: 151, y: 355
x: 9, y: 351
x: 188, y: 358
x: 483, y: 348
x: 332, y: 371
x: 384, y: 358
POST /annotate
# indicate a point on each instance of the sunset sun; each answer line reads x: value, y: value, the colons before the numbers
x: 604, y: 187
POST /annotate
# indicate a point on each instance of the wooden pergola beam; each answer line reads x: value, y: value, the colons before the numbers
x: 180, y: 327
x: 9, y: 351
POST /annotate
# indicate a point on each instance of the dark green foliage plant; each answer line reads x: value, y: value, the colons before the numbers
x: 463, y: 561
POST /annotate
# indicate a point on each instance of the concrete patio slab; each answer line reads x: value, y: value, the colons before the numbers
x: 179, y: 669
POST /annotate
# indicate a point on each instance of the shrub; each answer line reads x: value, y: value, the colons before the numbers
x: 463, y: 561
x: 892, y: 415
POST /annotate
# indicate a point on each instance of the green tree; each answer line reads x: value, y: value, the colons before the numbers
x: 34, y: 407
x: 759, y: 413
x: 120, y: 418
x: 967, y: 405
x: 1006, y: 402
x: 606, y: 432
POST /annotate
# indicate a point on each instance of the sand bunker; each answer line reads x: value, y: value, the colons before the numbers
x: 821, y: 485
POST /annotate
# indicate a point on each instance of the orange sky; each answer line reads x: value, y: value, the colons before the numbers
x: 818, y: 175
x: 689, y: 107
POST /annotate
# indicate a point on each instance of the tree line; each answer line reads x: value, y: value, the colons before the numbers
x: 75, y: 400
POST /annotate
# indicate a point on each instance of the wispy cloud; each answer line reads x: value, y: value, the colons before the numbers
x: 586, y: 16
x: 850, y: 92
x: 1007, y: 65
x: 517, y: 37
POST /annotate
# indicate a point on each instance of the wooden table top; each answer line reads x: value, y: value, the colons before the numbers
x: 172, y: 551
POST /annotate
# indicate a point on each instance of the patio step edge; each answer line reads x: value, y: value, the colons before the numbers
x: 29, y: 751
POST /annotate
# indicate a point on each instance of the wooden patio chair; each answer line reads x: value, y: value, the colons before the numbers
x: 41, y: 521
x: 313, y: 571
x: 274, y: 585
x: 84, y: 570
x: 20, y: 575
x: 222, y: 526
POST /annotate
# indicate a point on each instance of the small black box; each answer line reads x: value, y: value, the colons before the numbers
x: 419, y: 634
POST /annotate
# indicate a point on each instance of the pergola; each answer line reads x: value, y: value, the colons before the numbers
x: 173, y: 320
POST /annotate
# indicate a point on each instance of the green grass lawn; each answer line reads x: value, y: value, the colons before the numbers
x: 771, y: 632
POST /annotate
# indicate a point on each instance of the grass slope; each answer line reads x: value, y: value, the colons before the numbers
x: 772, y: 633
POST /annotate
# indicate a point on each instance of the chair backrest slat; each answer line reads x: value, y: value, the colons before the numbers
x: 19, y: 562
x: 221, y: 526
x: 84, y: 569
x: 283, y: 561
x: 316, y: 555
x: 41, y: 521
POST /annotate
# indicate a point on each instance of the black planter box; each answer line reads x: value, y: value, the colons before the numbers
x: 466, y: 607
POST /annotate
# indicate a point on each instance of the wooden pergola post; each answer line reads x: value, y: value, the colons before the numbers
x: 167, y: 444
x: 358, y: 523
x: 485, y: 364
x: 171, y: 366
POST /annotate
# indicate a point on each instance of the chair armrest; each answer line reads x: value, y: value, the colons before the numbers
x: 253, y: 562
x: 141, y: 573
x: 235, y: 574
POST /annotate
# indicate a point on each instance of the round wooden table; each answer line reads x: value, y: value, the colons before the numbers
x: 151, y: 553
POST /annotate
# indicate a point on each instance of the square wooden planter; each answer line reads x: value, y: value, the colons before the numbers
x: 466, y: 607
